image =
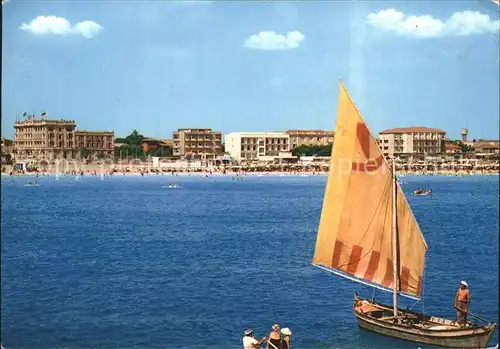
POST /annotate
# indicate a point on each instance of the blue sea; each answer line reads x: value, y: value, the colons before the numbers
x: 125, y: 262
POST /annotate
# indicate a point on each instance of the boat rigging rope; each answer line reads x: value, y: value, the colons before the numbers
x: 423, y: 283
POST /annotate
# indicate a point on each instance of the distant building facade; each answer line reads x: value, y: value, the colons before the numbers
x: 487, y: 149
x: 45, y: 139
x: 255, y: 145
x: 309, y: 137
x: 149, y: 144
x: 197, y: 143
x: 480, y: 141
x: 412, y: 141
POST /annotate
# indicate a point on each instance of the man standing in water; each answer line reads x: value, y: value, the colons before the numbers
x: 462, y: 301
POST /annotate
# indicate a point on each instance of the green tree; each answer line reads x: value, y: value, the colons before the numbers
x: 162, y: 152
x: 134, y: 138
x: 7, y: 159
x: 464, y: 148
x: 132, y: 146
x: 313, y: 150
x: 84, y: 153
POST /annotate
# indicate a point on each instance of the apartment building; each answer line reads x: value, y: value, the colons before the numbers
x: 44, y: 139
x: 254, y: 145
x: 99, y: 143
x: 309, y: 137
x: 198, y: 143
x: 413, y: 141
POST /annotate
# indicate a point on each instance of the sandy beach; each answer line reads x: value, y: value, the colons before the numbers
x: 99, y: 170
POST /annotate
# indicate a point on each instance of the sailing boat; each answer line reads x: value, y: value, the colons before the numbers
x: 368, y: 234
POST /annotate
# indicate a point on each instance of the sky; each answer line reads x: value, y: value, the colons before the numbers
x: 234, y: 66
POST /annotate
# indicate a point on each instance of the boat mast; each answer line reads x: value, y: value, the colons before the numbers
x: 395, y: 247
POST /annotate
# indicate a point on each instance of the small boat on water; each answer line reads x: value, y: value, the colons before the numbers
x: 32, y: 184
x: 368, y: 234
x: 171, y: 186
x: 422, y: 192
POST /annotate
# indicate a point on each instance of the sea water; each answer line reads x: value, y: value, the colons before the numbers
x: 126, y: 262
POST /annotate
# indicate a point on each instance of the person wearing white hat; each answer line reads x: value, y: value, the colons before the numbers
x: 249, y: 341
x: 285, y: 342
x: 274, y: 341
x: 462, y: 301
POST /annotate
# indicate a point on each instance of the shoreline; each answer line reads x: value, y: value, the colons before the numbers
x: 401, y: 174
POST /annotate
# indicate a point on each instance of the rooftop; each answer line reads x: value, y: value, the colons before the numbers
x: 414, y: 129
x: 451, y: 146
x: 159, y: 140
x: 43, y: 122
x: 482, y: 141
x: 487, y: 146
x: 95, y: 132
x: 258, y: 134
x: 194, y: 129
x: 310, y: 131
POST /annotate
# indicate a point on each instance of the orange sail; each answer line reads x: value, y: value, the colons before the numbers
x: 355, y: 231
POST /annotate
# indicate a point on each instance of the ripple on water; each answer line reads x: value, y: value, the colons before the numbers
x: 124, y: 263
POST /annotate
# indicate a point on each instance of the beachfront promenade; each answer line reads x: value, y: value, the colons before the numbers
x: 269, y: 169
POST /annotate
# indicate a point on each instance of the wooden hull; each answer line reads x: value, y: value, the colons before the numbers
x: 419, y: 328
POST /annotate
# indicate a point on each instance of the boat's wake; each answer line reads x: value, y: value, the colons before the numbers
x: 171, y: 186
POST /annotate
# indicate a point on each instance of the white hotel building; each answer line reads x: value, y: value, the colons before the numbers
x: 257, y: 145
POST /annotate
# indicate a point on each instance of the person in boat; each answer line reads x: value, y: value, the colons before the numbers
x: 274, y: 341
x: 285, y: 342
x: 462, y: 301
x: 249, y: 341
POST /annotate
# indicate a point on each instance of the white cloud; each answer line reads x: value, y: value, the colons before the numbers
x: 5, y: 1
x: 459, y: 24
x: 43, y: 25
x: 88, y: 29
x: 269, y: 40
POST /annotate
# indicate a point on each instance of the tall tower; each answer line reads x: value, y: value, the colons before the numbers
x: 464, y: 134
